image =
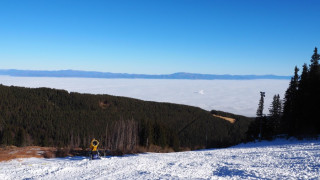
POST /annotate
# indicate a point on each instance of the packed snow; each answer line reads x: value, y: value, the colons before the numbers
x: 234, y: 96
x: 279, y: 159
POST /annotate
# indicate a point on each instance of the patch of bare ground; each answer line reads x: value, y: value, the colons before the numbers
x: 231, y: 120
x: 153, y: 148
x: 13, y: 152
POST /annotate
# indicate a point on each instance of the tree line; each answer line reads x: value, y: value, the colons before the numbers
x: 297, y: 114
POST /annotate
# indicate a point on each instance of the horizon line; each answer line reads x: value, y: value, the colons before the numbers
x: 121, y: 73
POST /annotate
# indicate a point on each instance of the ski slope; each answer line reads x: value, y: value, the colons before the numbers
x: 279, y: 159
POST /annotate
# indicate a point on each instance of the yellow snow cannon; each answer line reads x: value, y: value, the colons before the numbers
x: 94, y: 145
x: 94, y: 154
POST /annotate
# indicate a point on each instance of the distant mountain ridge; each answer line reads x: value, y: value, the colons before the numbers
x: 108, y: 75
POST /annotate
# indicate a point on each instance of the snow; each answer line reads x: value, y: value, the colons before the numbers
x: 234, y: 96
x: 279, y: 159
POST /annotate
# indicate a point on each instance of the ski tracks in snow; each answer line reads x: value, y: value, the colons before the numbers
x: 280, y: 159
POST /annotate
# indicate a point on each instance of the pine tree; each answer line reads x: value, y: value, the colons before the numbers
x: 290, y: 102
x: 275, y: 112
x: 315, y: 59
x: 302, y: 100
x: 314, y: 91
x: 303, y: 83
x: 261, y: 105
x: 276, y: 106
x: 259, y: 114
x: 302, y: 104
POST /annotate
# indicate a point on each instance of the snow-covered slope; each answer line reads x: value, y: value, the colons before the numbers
x: 280, y: 159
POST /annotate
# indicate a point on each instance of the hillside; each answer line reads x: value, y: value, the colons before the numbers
x: 50, y: 117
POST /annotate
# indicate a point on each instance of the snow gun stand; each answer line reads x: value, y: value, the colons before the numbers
x: 94, y: 153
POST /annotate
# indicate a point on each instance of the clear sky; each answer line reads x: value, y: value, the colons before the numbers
x: 159, y: 36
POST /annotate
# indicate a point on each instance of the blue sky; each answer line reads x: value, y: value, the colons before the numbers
x: 159, y: 37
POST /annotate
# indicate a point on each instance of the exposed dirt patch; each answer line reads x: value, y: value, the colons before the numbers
x: 12, y: 152
x: 231, y: 120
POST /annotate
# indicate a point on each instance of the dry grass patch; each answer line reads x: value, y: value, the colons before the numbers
x: 12, y: 152
x: 231, y: 120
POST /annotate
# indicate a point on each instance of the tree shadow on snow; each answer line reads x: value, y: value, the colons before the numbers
x: 225, y: 171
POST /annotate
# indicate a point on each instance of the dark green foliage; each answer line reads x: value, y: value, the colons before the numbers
x: 49, y: 117
x: 20, y: 138
x: 274, y: 116
x: 275, y: 109
x: 301, y: 106
x: 259, y: 129
x: 290, y: 102
x: 261, y: 105
x: 266, y: 127
x: 260, y: 116
x: 7, y: 136
x: 238, y: 131
x: 315, y: 60
x: 302, y: 101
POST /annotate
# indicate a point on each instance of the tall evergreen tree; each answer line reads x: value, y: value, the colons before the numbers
x: 315, y: 59
x: 302, y: 104
x: 302, y: 100
x: 290, y: 102
x: 314, y: 77
x: 276, y: 106
x: 303, y: 83
x: 314, y: 91
x: 275, y: 112
x: 260, y: 116
x: 261, y: 105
